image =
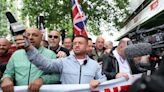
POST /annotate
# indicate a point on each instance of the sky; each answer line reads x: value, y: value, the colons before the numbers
x: 107, y: 36
x: 113, y: 34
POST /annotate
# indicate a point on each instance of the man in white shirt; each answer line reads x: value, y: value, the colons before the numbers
x: 115, y: 64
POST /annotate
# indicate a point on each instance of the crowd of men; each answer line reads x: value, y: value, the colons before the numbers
x: 76, y: 61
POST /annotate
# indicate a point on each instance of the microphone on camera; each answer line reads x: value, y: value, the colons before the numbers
x: 15, y: 27
x: 136, y: 50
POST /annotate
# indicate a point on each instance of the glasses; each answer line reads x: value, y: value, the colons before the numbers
x: 55, y: 37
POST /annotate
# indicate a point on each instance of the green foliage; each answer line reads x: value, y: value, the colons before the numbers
x: 6, y: 5
x: 3, y: 21
x: 57, y: 13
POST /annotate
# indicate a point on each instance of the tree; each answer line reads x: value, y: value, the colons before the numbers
x: 57, y: 13
x: 6, y: 5
x: 3, y: 21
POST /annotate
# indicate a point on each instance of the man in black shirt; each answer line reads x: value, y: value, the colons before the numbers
x: 53, y: 40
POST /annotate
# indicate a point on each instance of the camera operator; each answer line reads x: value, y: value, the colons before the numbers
x: 142, y: 56
x: 153, y: 82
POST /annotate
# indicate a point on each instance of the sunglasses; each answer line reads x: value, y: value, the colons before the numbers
x: 55, y: 37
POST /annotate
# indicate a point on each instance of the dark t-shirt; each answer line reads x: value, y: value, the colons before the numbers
x: 4, y: 60
x: 61, y: 49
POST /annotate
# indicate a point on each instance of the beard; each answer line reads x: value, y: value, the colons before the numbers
x: 79, y: 52
x: 3, y: 51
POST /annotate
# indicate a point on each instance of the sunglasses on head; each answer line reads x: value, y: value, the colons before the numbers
x: 55, y: 37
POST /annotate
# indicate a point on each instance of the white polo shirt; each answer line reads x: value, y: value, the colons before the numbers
x: 123, y: 64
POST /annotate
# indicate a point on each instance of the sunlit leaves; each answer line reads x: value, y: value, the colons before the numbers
x: 57, y: 13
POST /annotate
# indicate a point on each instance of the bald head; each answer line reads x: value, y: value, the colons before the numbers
x: 34, y: 29
x: 124, y: 41
x: 4, y: 46
x: 35, y: 36
x: 122, y: 45
x: 4, y: 40
x: 68, y: 43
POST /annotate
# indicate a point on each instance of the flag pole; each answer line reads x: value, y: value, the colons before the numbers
x: 72, y: 22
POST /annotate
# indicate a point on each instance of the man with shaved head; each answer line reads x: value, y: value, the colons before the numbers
x: 74, y: 69
x: 25, y: 73
x: 115, y: 64
x: 67, y: 43
x: 53, y: 40
x: 4, y: 54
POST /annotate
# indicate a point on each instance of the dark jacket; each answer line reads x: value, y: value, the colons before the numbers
x: 110, y: 66
x: 95, y: 54
x: 60, y: 48
x: 153, y: 83
x: 3, y: 61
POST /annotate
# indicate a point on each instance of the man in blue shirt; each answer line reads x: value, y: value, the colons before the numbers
x: 75, y: 69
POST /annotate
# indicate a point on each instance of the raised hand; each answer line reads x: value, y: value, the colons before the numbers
x: 22, y: 42
x: 61, y: 54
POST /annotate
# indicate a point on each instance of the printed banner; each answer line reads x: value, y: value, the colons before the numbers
x: 115, y: 85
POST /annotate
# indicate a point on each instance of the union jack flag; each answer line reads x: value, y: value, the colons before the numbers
x: 79, y: 19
